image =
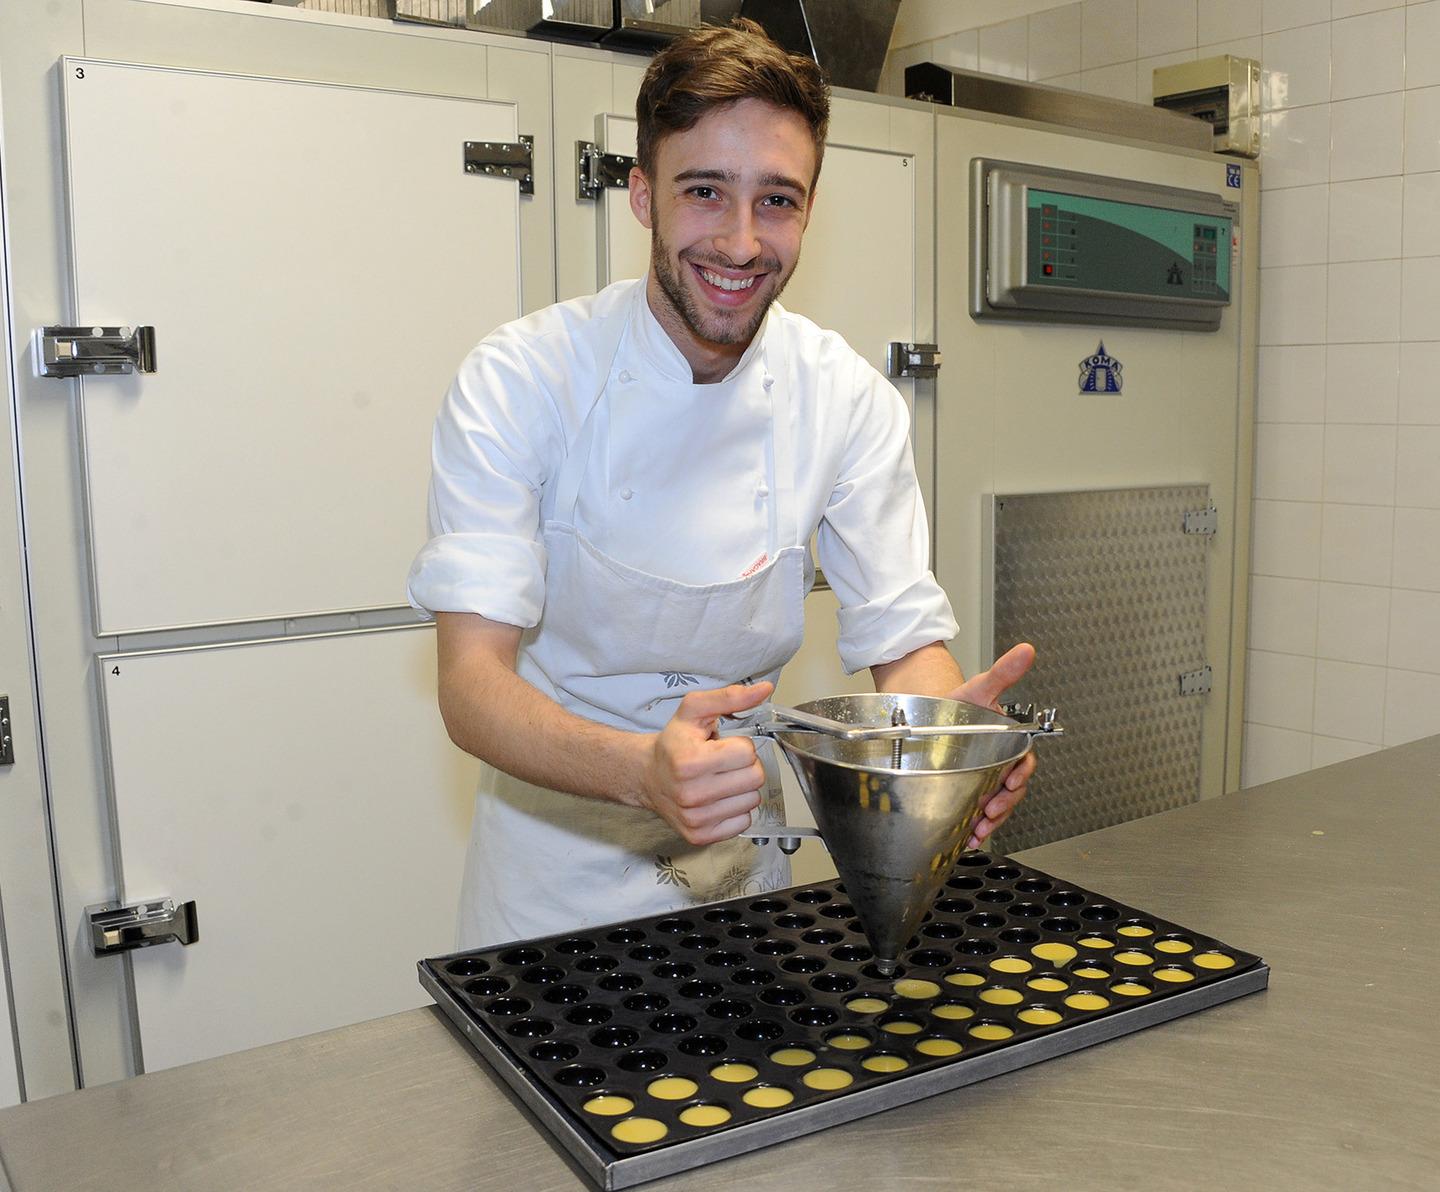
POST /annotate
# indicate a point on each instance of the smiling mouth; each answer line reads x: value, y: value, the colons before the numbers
x: 728, y: 284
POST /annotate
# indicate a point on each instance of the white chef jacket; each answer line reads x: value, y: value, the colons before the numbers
x: 679, y: 488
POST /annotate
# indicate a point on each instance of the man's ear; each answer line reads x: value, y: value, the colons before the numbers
x: 640, y: 196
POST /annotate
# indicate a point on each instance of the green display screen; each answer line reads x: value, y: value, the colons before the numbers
x: 1082, y: 243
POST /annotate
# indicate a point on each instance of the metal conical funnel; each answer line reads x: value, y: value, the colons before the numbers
x: 894, y: 833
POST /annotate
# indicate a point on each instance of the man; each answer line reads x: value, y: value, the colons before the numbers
x: 623, y: 492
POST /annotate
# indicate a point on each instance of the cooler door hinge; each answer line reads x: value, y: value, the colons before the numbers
x: 88, y: 351
x: 912, y: 360
x: 596, y: 171
x: 504, y: 159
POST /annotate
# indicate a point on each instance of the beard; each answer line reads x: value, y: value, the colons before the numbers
x: 716, y: 327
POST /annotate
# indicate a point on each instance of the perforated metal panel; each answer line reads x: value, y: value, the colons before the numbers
x: 1111, y: 590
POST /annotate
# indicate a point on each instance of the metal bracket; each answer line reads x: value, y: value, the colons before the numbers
x: 1196, y: 682
x: 7, y: 741
x: 117, y: 927
x: 912, y: 360
x: 787, y: 836
x: 504, y: 159
x: 596, y: 171
x: 86, y: 351
x: 1202, y: 521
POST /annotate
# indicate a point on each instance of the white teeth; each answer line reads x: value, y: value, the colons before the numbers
x: 727, y: 283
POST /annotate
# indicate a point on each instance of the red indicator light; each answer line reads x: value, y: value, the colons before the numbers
x: 1049, y: 269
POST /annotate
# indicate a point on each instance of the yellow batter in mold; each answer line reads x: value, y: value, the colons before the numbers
x: 939, y: 1047
x: 793, y: 1057
x: 848, y: 1042
x: 1176, y: 976
x: 913, y: 987
x: 767, y: 1096
x: 1096, y: 941
x: 1087, y: 1001
x: 1212, y: 960
x: 867, y: 1005
x: 1048, y: 984
x: 609, y: 1105
x: 1093, y: 971
x: 1138, y: 930
x: 1055, y: 953
x: 884, y: 1063
x: 1011, y: 964
x: 828, y: 1078
x: 1002, y: 997
x: 1039, y: 1016
x: 1173, y: 946
x: 901, y: 1027
x: 965, y: 978
x: 672, y: 1088
x: 990, y: 1030
x: 638, y: 1130
x: 1130, y: 988
x: 734, y: 1073
x: 1135, y: 958
x: 952, y: 1011
x: 705, y: 1115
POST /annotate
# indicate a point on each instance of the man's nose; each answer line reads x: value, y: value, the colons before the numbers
x: 737, y: 239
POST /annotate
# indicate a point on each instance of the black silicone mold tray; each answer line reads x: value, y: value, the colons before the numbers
x: 661, y: 1044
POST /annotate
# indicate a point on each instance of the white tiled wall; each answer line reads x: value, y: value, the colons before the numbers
x: 1345, y: 578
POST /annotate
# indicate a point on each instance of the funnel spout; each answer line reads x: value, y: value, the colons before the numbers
x: 885, y: 965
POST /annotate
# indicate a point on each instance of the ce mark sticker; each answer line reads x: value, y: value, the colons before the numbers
x: 1232, y: 176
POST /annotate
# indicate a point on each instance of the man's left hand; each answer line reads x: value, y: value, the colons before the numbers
x: 985, y: 689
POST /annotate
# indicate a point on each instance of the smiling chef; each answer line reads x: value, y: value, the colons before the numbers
x: 624, y: 489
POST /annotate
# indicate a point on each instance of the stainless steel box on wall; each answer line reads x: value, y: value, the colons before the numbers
x: 1110, y: 588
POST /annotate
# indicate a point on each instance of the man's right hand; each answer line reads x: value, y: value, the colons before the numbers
x: 703, y: 786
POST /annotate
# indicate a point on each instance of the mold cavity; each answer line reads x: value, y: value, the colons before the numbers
x: 724, y: 914
x: 565, y: 995
x: 953, y: 906
x: 699, y: 941
x: 673, y: 1024
x: 530, y: 1028
x: 973, y: 946
x: 522, y: 956
x: 626, y: 935
x: 619, y: 982
x: 674, y: 971
x: 580, y: 1076
x: 814, y: 1016
x: 823, y: 936
x: 647, y: 1059
x: 1002, y: 873
x: 1020, y: 935
x: 1099, y: 913
x: 674, y: 926
x: 574, y: 947
x: 942, y: 931
x: 813, y: 897
x: 833, y: 983
x: 649, y: 953
x: 615, y: 1036
x: 595, y: 964
x: 994, y: 896
x: 704, y: 1044
x: 837, y: 910
x: 965, y: 883
x: 728, y: 1008
x: 467, y: 966
x: 701, y: 989
x: 725, y: 959
x: 794, y: 922
x: 1060, y: 925
x: 1034, y: 885
x: 506, y: 1006
x: 986, y: 921
x: 543, y: 974
x: 782, y: 995
x: 1027, y: 910
x: 646, y: 1003
x: 746, y: 931
x: 802, y: 964
x: 759, y: 1030
x: 767, y: 906
x: 1066, y: 898
x: 930, y: 958
x: 588, y: 1015
x: 751, y: 976
x: 852, y: 953
x: 486, y: 986
x: 554, y: 1053
x: 773, y: 947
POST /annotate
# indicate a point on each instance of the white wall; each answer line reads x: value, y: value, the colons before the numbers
x: 1345, y: 586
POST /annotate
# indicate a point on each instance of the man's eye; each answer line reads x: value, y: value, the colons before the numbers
x: 703, y: 192
x: 779, y: 201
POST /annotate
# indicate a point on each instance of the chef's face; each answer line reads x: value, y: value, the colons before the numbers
x: 726, y: 208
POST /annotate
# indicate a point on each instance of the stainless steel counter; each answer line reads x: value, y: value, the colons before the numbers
x: 1329, y: 1079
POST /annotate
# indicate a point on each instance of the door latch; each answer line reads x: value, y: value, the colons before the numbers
x: 85, y: 351
x: 122, y: 927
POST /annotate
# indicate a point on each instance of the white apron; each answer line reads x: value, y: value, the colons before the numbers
x: 622, y: 647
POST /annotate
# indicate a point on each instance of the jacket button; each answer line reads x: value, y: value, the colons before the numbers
x: 625, y: 377
x: 626, y: 494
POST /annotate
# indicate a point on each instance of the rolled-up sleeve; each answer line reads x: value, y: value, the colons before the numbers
x: 494, y: 437
x: 874, y: 540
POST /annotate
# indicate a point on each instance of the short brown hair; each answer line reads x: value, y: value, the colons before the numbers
x: 716, y: 66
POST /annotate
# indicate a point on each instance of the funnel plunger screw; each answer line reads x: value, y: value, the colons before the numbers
x: 886, y: 967
x: 897, y: 748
